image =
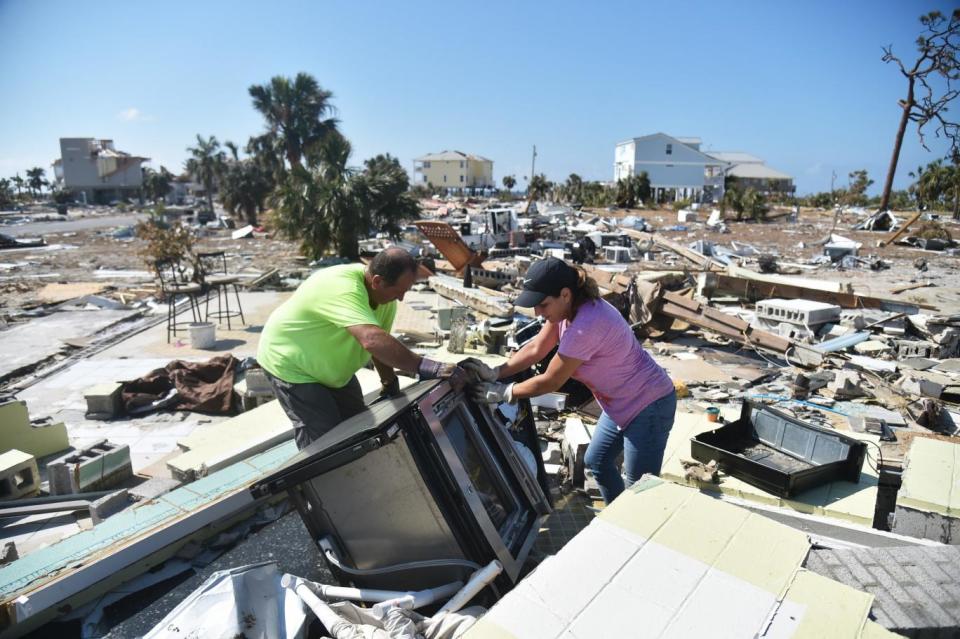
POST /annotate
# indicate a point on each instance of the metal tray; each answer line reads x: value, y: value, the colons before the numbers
x: 779, y: 453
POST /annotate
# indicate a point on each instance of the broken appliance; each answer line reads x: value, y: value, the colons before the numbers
x: 421, y: 490
x: 779, y: 453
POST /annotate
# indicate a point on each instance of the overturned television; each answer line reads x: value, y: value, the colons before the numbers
x: 421, y: 490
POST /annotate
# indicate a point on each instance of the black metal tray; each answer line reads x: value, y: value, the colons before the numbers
x: 779, y: 453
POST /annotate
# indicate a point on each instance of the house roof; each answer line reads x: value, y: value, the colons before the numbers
x: 689, y: 140
x: 757, y: 171
x: 735, y: 157
x: 451, y: 155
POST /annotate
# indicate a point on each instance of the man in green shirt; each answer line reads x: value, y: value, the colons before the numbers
x: 313, y: 344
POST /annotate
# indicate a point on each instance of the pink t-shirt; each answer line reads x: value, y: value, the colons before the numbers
x: 622, y: 376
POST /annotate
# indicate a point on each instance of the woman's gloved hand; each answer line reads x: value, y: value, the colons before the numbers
x: 480, y: 371
x: 492, y: 393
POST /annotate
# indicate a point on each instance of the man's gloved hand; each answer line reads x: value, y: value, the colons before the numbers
x: 432, y: 369
x: 390, y: 389
x: 492, y: 393
x: 480, y: 371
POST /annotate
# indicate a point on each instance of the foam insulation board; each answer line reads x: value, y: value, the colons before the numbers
x: 664, y: 560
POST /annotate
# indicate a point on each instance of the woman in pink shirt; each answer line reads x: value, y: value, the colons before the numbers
x: 597, y: 347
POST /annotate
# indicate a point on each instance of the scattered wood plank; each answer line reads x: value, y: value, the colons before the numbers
x: 900, y: 230
x: 910, y: 287
x: 485, y: 301
x: 718, y: 284
x: 702, y: 261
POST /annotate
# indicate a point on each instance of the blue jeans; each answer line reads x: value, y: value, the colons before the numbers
x: 642, y: 443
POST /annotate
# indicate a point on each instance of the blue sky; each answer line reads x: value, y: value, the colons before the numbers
x: 799, y: 84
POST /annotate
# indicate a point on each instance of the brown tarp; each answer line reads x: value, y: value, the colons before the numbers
x: 204, y: 387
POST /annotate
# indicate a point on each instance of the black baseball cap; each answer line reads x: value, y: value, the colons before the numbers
x: 546, y: 278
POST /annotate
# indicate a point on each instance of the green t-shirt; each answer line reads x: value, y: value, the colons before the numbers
x: 305, y: 339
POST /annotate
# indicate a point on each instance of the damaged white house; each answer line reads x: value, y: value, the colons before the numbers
x: 96, y: 172
x: 677, y: 164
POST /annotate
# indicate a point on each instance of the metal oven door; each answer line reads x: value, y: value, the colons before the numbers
x: 496, y: 497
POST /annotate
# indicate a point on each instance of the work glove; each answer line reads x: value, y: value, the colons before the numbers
x: 390, y: 389
x: 480, y: 371
x: 492, y: 393
x: 432, y: 369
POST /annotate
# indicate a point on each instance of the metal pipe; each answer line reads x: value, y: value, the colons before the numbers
x: 477, y: 582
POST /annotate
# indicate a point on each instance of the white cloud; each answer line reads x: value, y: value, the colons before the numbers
x: 134, y: 114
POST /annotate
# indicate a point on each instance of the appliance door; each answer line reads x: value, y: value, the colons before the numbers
x: 379, y: 511
x: 502, y: 510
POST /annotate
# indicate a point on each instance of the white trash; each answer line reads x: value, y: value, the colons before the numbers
x: 202, y: 334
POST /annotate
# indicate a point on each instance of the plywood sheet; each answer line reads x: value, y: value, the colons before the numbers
x: 931, y: 480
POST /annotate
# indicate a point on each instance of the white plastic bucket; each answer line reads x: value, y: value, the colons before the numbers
x: 202, y: 334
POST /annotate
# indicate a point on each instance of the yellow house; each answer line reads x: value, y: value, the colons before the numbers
x: 453, y: 170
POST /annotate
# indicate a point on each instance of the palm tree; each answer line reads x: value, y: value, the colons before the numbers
x: 331, y: 205
x: 6, y: 193
x: 156, y: 184
x: 206, y: 164
x: 297, y: 114
x: 244, y: 188
x: 36, y: 181
x: 509, y: 182
x: 18, y: 183
x: 573, y: 189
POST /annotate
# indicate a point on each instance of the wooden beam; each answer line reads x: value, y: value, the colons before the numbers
x: 701, y: 315
x: 718, y: 284
x: 900, y: 230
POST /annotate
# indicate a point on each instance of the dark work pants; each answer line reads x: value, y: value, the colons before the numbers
x: 315, y: 409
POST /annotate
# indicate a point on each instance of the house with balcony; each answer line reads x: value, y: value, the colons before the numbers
x: 674, y: 165
x: 96, y: 172
x: 454, y: 171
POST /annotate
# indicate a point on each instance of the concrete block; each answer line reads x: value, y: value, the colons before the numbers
x: 9, y: 553
x: 19, y: 476
x: 872, y: 348
x: 576, y: 438
x: 97, y: 467
x: 109, y: 505
x: 16, y: 432
x: 103, y: 400
x: 915, y: 348
x: 798, y: 311
x: 153, y: 488
x: 550, y: 451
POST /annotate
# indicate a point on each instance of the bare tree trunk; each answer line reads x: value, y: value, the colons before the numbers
x: 892, y: 170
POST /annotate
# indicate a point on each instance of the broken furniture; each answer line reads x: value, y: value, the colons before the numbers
x: 420, y: 490
x: 174, y: 282
x: 218, y: 281
x: 779, y: 453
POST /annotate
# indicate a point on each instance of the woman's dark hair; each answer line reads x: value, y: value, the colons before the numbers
x: 586, y: 290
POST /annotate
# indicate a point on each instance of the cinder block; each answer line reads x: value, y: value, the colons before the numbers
x: 802, y: 312
x: 915, y: 348
x: 97, y: 467
x: 18, y: 475
x: 109, y: 505
x: 103, y: 400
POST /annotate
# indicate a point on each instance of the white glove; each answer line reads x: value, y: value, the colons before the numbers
x: 481, y: 371
x: 492, y: 393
